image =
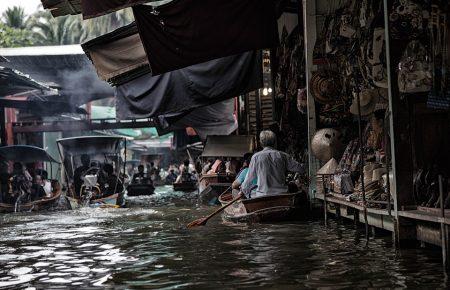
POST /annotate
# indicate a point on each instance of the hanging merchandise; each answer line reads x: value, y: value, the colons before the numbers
x: 415, y: 74
x: 407, y: 19
x: 368, y: 101
x: 302, y: 101
x: 376, y: 58
x: 325, y: 87
x: 184, y: 33
x: 327, y: 144
x: 439, y: 97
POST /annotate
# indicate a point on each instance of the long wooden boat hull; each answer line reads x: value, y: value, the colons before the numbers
x: 185, y: 187
x: 140, y: 189
x: 273, y: 208
x: 38, y: 205
x: 108, y: 201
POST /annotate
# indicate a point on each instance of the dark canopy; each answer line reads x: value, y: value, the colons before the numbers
x: 189, y: 88
x: 89, y: 8
x: 229, y: 146
x: 90, y: 145
x: 25, y: 154
x: 184, y: 33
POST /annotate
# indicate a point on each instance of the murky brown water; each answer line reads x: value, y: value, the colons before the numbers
x: 140, y: 248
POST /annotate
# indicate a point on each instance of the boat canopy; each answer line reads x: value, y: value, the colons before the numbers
x: 90, y: 145
x: 25, y: 154
x: 229, y: 146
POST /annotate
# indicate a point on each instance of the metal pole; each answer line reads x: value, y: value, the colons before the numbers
x: 444, y: 229
x: 325, y: 214
x: 361, y: 167
x: 388, y: 163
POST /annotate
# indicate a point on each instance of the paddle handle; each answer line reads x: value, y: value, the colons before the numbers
x: 223, y: 207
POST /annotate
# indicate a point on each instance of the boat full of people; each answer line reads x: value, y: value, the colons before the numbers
x: 92, y: 168
x: 223, y: 156
x: 27, y: 186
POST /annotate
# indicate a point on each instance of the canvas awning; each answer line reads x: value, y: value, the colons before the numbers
x: 216, y: 119
x: 89, y: 145
x: 90, y: 8
x: 189, y: 88
x: 25, y: 154
x: 184, y: 33
x: 118, y: 56
x: 229, y: 146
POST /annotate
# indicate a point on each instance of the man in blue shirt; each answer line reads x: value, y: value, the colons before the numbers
x: 240, y: 178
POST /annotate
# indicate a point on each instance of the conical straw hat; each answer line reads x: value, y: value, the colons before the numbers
x: 329, y: 168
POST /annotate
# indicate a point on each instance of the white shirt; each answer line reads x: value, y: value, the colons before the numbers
x: 270, y: 167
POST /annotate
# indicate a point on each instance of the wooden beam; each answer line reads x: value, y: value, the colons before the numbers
x: 80, y: 125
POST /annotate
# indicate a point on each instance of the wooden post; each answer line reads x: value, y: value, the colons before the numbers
x: 444, y: 228
x: 3, y: 135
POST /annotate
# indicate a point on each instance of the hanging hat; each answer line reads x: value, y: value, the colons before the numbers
x: 327, y: 144
x: 329, y: 168
x: 368, y: 101
x: 377, y: 174
x: 325, y: 88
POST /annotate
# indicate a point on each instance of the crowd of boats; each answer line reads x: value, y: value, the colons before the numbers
x: 94, y: 172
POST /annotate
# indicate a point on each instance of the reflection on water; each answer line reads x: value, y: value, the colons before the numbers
x: 151, y: 248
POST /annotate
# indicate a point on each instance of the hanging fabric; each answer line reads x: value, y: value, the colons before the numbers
x: 189, y: 88
x: 184, y: 33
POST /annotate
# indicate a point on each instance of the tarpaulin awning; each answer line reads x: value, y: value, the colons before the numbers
x: 189, y: 88
x: 89, y: 145
x: 118, y: 56
x: 13, y: 82
x: 25, y: 154
x: 216, y: 119
x: 183, y: 33
x: 229, y: 146
x: 89, y: 8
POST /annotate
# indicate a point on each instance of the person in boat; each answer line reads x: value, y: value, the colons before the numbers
x: 172, y: 177
x: 240, y: 177
x: 37, y: 189
x: 4, y: 181
x: 207, y: 166
x: 46, y: 184
x: 140, y: 177
x: 186, y: 175
x: 113, y: 184
x: 79, y: 173
x: 20, y: 183
x: 271, y: 167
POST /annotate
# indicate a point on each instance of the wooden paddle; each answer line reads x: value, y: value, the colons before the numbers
x: 202, y: 221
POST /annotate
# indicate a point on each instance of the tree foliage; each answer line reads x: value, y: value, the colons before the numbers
x: 41, y: 28
x: 13, y: 37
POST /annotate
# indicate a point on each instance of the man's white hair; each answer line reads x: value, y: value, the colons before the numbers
x: 267, y: 138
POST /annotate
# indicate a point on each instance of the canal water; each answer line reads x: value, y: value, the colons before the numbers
x: 148, y: 246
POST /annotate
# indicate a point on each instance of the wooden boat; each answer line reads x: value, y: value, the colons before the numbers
x: 38, y: 205
x: 211, y: 186
x: 273, y: 208
x: 185, y: 186
x: 32, y: 154
x: 140, y: 189
x: 105, y: 148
